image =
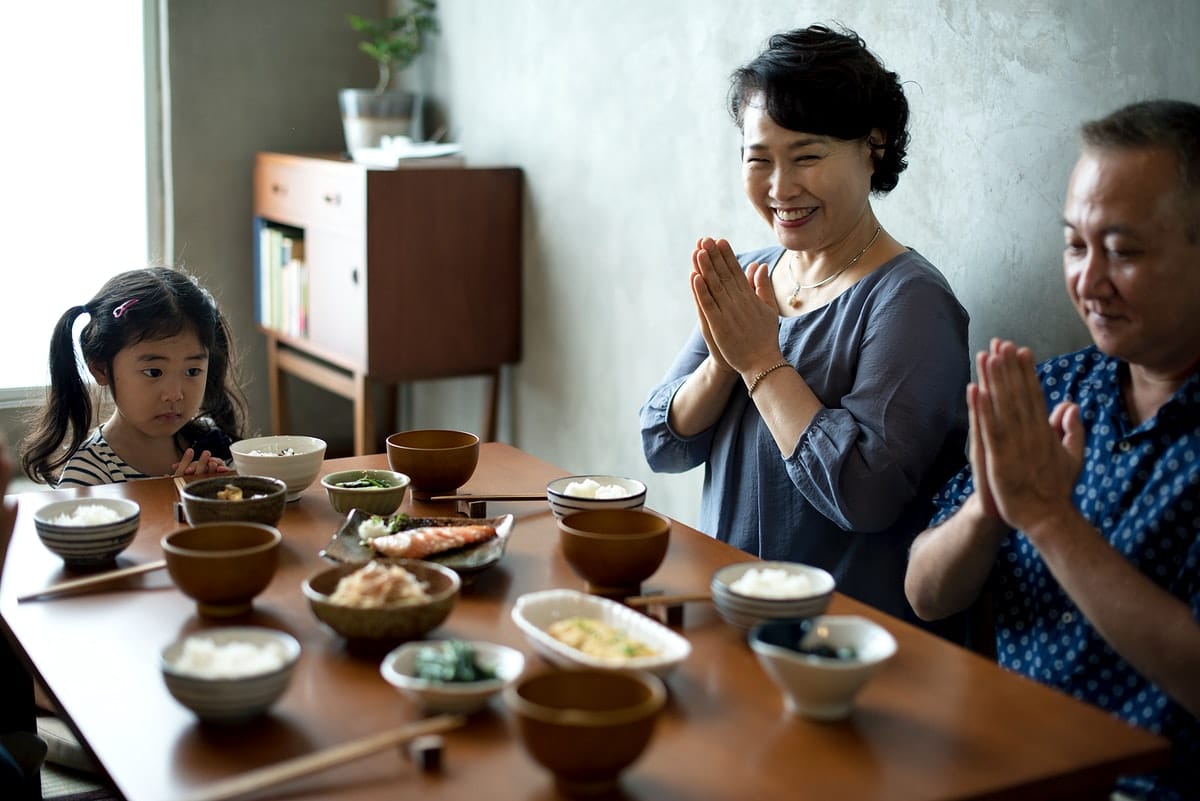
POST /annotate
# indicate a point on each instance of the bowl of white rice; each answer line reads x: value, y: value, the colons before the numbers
x: 87, y: 531
x: 746, y: 593
x: 229, y: 674
x: 583, y: 493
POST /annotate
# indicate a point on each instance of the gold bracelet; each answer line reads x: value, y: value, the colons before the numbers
x: 764, y: 374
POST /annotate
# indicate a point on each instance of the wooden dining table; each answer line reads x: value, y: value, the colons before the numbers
x: 936, y: 722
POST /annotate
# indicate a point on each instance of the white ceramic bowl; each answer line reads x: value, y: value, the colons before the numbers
x: 86, y: 545
x: 820, y: 687
x: 372, y: 500
x: 535, y: 611
x: 231, y: 699
x: 563, y: 504
x: 297, y: 469
x: 744, y: 611
x: 459, y: 697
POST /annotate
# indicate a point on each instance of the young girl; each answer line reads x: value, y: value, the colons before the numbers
x: 157, y: 341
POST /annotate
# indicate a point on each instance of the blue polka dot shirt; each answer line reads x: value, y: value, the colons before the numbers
x: 1140, y: 487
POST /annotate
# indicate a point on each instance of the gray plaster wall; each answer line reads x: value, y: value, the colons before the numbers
x: 615, y: 110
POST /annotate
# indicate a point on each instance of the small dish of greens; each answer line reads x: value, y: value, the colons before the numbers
x: 454, y: 676
x: 377, y: 492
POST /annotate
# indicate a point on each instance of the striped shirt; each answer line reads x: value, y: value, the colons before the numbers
x: 96, y: 463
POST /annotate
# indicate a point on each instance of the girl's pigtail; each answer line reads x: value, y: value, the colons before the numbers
x: 67, y: 413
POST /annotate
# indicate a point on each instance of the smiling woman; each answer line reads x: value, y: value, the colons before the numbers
x: 79, y: 178
x: 822, y: 388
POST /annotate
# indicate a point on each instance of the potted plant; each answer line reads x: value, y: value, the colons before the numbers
x: 389, y: 109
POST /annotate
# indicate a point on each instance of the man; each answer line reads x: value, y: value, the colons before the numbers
x: 1088, y: 527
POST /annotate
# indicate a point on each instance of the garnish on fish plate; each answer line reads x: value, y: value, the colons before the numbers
x: 379, y: 526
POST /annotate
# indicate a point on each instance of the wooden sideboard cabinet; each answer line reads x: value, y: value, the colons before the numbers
x: 378, y: 276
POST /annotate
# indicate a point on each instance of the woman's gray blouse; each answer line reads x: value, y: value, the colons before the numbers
x: 889, y: 361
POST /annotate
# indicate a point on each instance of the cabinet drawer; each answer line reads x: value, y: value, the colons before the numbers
x: 310, y: 193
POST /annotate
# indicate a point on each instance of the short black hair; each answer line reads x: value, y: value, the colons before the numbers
x: 827, y: 82
x: 1172, y: 125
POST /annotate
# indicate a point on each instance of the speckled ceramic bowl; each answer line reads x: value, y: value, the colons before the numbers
x: 406, y: 621
x: 263, y: 499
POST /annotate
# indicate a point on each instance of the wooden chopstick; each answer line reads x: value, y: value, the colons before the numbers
x: 511, y: 497
x: 261, y: 778
x: 97, y: 580
x: 665, y: 600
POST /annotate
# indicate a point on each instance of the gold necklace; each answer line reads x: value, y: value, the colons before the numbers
x: 794, y: 298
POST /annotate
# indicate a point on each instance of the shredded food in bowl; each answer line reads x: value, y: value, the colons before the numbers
x: 376, y: 585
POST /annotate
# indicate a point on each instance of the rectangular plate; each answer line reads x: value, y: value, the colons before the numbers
x: 348, y: 548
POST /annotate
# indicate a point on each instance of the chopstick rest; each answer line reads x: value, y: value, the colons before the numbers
x: 671, y: 606
x: 426, y: 752
x: 666, y: 600
x: 89, y: 582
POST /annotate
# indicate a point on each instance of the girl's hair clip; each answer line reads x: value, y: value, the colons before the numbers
x: 124, y: 307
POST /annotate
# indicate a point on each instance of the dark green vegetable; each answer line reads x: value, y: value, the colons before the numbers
x: 450, y: 661
x: 366, y: 482
x: 846, y: 652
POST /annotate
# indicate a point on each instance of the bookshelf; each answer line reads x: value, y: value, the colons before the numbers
x: 368, y: 277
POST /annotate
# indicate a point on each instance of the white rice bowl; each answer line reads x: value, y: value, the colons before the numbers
x: 87, y: 531
x: 229, y: 674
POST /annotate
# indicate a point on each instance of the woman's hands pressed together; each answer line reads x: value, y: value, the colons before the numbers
x: 736, y: 310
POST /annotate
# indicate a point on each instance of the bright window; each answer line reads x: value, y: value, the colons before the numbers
x: 74, y: 139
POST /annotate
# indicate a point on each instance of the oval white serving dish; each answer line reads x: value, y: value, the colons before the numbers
x: 534, y: 612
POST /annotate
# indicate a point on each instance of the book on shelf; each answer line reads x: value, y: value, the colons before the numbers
x: 282, y: 280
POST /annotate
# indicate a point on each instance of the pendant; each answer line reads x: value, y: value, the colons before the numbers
x: 794, y: 299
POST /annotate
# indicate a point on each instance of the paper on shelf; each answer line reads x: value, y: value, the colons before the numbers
x: 395, y: 148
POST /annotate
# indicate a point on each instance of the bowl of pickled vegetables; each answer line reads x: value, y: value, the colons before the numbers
x: 453, y: 676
